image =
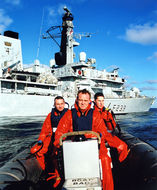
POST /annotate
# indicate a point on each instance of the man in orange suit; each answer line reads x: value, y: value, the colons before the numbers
x: 106, y: 113
x: 81, y: 118
x: 50, y: 124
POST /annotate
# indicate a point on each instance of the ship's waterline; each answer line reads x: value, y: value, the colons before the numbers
x: 37, y: 105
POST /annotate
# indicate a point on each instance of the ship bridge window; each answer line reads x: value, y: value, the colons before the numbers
x: 30, y: 85
x: 20, y: 86
x: 21, y: 77
x: 33, y: 79
x: 41, y: 86
x: 51, y: 88
x: 8, y: 85
x: 74, y: 70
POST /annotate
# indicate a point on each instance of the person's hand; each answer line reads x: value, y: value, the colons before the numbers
x: 123, y: 152
x: 36, y: 148
x: 56, y: 144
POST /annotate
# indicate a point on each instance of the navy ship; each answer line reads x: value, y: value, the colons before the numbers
x: 31, y: 91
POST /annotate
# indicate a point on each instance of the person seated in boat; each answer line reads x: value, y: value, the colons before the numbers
x: 82, y: 118
x: 46, y: 137
x: 106, y: 113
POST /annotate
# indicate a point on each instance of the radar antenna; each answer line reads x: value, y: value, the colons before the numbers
x: 65, y: 32
x: 51, y: 35
x: 40, y: 34
x: 82, y: 34
x: 67, y: 10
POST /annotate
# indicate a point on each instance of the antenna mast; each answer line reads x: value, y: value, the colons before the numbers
x: 40, y: 33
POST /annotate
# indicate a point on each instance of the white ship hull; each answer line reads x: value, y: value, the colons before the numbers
x: 37, y: 105
x: 129, y: 105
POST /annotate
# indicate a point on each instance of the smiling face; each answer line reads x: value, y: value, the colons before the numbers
x: 59, y: 104
x: 83, y: 100
x: 100, y: 102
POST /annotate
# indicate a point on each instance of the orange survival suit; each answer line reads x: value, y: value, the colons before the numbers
x: 107, y: 116
x: 47, y: 135
x: 66, y: 124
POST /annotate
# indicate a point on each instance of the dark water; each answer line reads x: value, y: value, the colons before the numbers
x: 18, y: 133
x: 141, y: 125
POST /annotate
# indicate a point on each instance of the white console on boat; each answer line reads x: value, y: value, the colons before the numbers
x: 81, y: 165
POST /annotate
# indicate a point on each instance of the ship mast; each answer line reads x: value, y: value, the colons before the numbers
x: 65, y: 56
x: 66, y: 53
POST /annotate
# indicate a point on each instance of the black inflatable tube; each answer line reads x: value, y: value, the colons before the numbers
x: 139, y: 170
x: 21, y: 171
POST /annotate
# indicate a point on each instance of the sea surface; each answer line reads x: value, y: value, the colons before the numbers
x: 18, y: 133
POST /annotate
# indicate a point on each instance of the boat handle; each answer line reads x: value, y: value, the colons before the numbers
x: 65, y: 135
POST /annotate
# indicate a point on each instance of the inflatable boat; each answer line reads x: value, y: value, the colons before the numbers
x: 81, y: 169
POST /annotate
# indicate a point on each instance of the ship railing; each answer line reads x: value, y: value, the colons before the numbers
x: 39, y: 91
x: 118, y: 89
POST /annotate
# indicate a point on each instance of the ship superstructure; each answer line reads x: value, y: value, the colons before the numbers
x: 83, y: 74
x: 30, y: 91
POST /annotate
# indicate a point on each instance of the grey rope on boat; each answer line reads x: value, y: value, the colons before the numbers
x: 10, y: 174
